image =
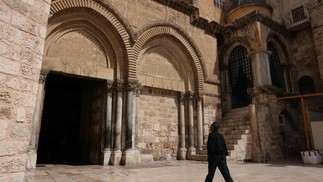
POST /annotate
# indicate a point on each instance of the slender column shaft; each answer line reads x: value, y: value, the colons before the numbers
x: 182, y: 120
x: 108, y: 121
x: 129, y: 119
x: 33, y: 144
x: 118, y: 126
x: 190, y: 122
x: 199, y: 124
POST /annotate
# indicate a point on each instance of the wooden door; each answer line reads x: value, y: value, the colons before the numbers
x: 97, y: 100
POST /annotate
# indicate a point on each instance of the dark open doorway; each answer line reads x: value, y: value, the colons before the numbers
x: 67, y: 134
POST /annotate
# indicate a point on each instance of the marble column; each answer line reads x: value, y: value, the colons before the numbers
x: 182, y: 149
x: 199, y: 118
x: 131, y: 153
x: 116, y: 154
x: 191, y: 150
x: 33, y: 144
x: 260, y: 68
x: 108, y: 124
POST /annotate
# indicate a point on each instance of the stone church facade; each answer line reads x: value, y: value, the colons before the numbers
x: 115, y: 82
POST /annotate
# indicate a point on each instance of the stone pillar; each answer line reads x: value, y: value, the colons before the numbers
x: 182, y: 149
x: 33, y: 144
x: 264, y: 130
x: 116, y: 154
x: 199, y: 119
x: 260, y: 68
x: 131, y: 155
x: 108, y: 122
x: 191, y: 150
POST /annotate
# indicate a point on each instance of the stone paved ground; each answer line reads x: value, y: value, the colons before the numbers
x: 175, y: 171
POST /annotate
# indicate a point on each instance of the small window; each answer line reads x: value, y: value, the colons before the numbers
x: 219, y: 3
x: 298, y: 14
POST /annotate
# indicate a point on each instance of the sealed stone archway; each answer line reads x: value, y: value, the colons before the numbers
x: 71, y: 126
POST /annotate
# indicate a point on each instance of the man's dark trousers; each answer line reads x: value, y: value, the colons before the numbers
x: 220, y: 162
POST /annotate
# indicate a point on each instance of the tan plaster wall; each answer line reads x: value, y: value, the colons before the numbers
x: 22, y: 34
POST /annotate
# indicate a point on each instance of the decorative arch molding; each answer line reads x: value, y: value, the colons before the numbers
x: 281, y: 47
x: 227, y: 49
x: 163, y: 28
x: 110, y: 22
x: 86, y: 29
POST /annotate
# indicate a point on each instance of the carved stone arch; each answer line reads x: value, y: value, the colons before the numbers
x: 108, y: 20
x: 87, y: 30
x: 281, y: 48
x: 161, y: 28
x: 229, y: 47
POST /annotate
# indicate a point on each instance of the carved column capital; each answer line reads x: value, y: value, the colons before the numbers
x: 181, y: 96
x: 42, y: 77
x: 110, y: 86
x: 132, y: 85
x: 138, y: 89
x: 119, y: 84
x: 190, y: 94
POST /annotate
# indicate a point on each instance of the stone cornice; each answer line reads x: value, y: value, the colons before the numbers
x: 214, y: 27
x: 257, y: 16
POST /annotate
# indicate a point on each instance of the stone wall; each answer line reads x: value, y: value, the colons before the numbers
x: 22, y: 33
x: 158, y: 123
x: 315, y: 11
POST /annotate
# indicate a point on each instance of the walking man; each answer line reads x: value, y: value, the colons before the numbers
x: 217, y: 152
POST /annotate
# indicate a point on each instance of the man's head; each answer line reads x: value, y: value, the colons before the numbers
x: 214, y: 126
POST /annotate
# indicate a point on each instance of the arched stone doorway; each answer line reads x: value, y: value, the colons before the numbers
x: 72, y: 120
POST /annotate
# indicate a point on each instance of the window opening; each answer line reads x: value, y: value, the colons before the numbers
x: 240, y: 77
x: 276, y: 71
x: 298, y: 14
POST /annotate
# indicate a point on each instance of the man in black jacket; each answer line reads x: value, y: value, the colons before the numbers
x: 217, y: 152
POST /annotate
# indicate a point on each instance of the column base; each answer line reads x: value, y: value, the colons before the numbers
x: 106, y: 157
x: 32, y: 158
x: 130, y: 157
x: 191, y: 151
x: 115, y: 158
x: 182, y: 152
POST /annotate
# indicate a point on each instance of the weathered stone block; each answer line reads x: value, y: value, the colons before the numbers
x: 27, y: 100
x: 5, y: 112
x: 3, y: 129
x: 8, y: 148
x: 8, y: 66
x: 21, y: 114
x: 13, y: 164
x: 5, y: 13
x: 21, y: 131
x: 5, y: 97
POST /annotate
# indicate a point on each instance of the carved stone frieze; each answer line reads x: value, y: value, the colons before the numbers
x: 265, y: 89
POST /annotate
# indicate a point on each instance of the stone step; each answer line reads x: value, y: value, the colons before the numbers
x: 243, y: 127
x: 232, y: 124
x: 235, y: 129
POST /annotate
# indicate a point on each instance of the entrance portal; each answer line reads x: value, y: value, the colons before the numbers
x: 67, y: 135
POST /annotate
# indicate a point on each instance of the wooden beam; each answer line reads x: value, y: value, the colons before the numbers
x: 299, y: 96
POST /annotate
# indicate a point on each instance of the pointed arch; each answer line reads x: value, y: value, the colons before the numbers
x: 162, y: 28
x: 100, y: 21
